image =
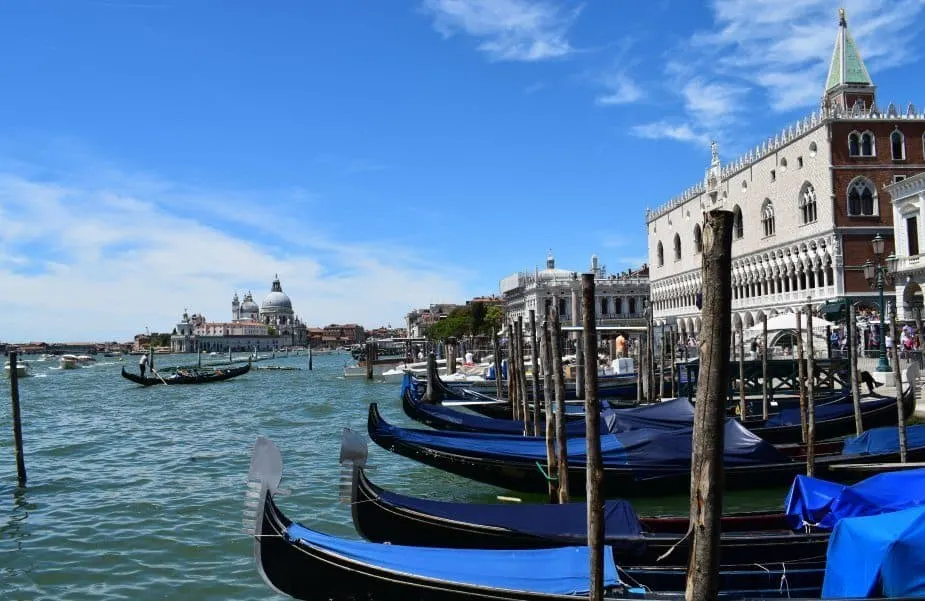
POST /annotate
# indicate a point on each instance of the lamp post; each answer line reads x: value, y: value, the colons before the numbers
x: 880, y: 273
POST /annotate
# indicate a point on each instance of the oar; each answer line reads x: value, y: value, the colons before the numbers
x: 154, y: 371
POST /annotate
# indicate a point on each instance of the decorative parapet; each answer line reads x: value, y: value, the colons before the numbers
x: 795, y: 130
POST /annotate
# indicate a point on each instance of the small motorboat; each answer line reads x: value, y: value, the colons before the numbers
x: 22, y: 369
x: 69, y: 362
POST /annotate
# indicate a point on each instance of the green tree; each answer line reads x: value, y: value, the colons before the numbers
x: 494, y: 317
x: 478, y: 317
x: 271, y: 331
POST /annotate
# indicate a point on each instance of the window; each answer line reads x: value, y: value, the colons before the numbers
x: 868, y: 149
x: 605, y: 305
x: 738, y: 229
x: 854, y: 145
x: 783, y: 165
x: 767, y: 218
x: 862, y: 197
x: 799, y: 162
x: 563, y: 307
x: 773, y: 175
x: 660, y: 254
x: 618, y: 305
x: 898, y: 145
x: 677, y: 247
x: 912, y: 236
x: 698, y: 239
x: 744, y: 185
x: 808, y: 203
x: 898, y: 178
x: 632, y: 305
x: 813, y: 148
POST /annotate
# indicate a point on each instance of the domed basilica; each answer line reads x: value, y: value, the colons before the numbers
x: 273, y: 325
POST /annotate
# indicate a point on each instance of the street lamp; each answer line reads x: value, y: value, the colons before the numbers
x: 879, y: 274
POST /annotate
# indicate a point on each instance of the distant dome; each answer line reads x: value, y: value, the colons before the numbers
x: 249, y: 307
x: 277, y: 299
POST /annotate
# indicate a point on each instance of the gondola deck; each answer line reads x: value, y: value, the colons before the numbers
x: 194, y: 376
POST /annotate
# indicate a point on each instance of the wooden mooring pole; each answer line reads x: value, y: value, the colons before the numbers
x: 640, y: 369
x: 765, y: 402
x: 672, y: 363
x: 552, y: 469
x: 430, y: 392
x: 594, y: 469
x: 369, y: 360
x: 579, y: 365
x: 496, y: 349
x: 853, y: 339
x: 898, y: 376
x: 522, y: 378
x: 706, y: 503
x: 801, y: 373
x: 535, y: 373
x: 559, y: 378
x: 309, y: 359
x: 17, y: 422
x: 810, y: 396
x: 742, y: 405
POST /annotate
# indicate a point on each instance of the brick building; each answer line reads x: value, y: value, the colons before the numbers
x: 807, y: 203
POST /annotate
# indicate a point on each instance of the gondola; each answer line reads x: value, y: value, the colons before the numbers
x: 636, y: 463
x: 302, y: 563
x: 192, y: 375
x: 834, y: 418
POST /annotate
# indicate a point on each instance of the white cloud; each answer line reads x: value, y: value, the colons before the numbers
x: 509, y: 30
x: 104, y: 262
x: 664, y: 130
x: 619, y: 89
x: 713, y: 104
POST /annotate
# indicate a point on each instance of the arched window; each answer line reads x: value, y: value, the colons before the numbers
x: 868, y: 148
x: 854, y: 144
x: 738, y: 229
x: 677, y: 247
x: 808, y: 203
x: 661, y: 255
x: 862, y: 197
x: 767, y: 218
x: 898, y: 145
x: 698, y: 239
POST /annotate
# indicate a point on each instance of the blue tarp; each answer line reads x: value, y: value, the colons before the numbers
x: 878, y: 555
x: 669, y: 415
x: 567, y: 522
x: 648, y: 452
x: 884, y: 440
x: 823, y: 504
x: 832, y: 409
x: 562, y: 571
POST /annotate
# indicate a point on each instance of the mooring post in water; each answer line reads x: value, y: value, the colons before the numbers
x: 535, y: 373
x: 801, y: 373
x: 853, y: 339
x: 650, y: 355
x: 450, y: 357
x: 199, y: 358
x: 559, y: 378
x: 640, y: 369
x: 765, y: 402
x: 594, y: 469
x: 512, y: 380
x: 17, y: 422
x: 828, y: 342
x: 706, y: 501
x: 522, y: 375
x: 309, y: 358
x: 743, y: 407
x: 810, y: 395
x: 369, y: 361
x: 496, y: 349
x: 552, y: 469
x: 672, y: 364
x: 898, y: 376
x: 579, y: 365
x: 431, y: 392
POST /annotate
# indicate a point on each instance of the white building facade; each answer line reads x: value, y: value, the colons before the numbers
x: 619, y: 298
x: 807, y: 203
x: 908, y: 216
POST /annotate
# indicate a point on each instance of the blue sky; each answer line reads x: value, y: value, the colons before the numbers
x: 379, y: 156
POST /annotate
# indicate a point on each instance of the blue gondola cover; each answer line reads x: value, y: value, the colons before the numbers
x: 878, y: 555
x: 884, y: 440
x: 669, y: 415
x: 823, y: 504
x: 562, y: 571
x: 567, y: 522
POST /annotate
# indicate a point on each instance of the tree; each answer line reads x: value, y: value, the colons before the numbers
x: 271, y: 331
x: 494, y: 317
x: 478, y: 317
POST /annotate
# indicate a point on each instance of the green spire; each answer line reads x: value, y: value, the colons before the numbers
x: 846, y: 67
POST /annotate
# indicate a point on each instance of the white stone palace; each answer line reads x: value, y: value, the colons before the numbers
x: 619, y: 296
x: 271, y: 326
x: 807, y: 203
x: 908, y: 212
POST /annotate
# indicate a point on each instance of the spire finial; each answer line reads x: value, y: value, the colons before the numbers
x: 842, y: 19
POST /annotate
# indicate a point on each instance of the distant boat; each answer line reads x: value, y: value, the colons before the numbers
x: 69, y: 362
x: 22, y: 369
x: 188, y: 375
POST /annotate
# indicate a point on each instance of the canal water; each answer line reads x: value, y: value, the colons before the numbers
x: 138, y: 493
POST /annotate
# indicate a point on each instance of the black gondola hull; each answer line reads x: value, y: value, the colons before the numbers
x: 219, y: 375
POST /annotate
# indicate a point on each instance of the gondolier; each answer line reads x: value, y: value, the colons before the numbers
x: 143, y: 364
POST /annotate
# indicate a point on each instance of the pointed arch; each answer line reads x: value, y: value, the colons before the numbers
x: 738, y: 228
x: 677, y: 247
x: 868, y: 144
x: 660, y: 252
x: 898, y: 145
x: 807, y: 203
x: 854, y: 144
x: 862, y: 197
x: 698, y: 239
x: 767, y: 218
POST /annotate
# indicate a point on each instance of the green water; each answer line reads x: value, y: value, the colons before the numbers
x: 138, y: 493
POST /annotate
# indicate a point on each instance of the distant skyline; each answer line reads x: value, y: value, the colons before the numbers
x: 157, y: 155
